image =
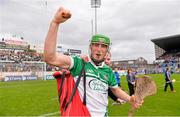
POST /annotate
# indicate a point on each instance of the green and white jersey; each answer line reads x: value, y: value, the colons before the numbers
x: 98, y: 79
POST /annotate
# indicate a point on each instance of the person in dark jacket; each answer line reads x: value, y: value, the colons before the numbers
x: 110, y: 94
x: 168, y: 80
x: 131, y: 81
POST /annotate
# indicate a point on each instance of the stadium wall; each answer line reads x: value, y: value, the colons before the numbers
x: 10, y: 71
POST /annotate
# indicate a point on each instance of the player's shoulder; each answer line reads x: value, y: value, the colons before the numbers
x: 107, y: 68
x: 77, y: 58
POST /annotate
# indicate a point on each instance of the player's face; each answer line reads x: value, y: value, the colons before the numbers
x: 98, y: 51
x: 107, y: 59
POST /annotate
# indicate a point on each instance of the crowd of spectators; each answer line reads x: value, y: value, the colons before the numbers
x: 22, y: 61
x: 22, y: 67
x: 20, y: 56
x: 170, y: 60
x: 18, y: 61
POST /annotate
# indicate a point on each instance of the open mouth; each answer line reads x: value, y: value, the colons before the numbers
x: 98, y: 54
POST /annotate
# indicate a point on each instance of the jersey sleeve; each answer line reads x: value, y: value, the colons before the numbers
x: 76, y: 65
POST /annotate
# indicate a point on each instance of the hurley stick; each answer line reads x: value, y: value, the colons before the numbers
x: 144, y: 87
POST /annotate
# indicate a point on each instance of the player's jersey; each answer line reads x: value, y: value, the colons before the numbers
x: 98, y: 79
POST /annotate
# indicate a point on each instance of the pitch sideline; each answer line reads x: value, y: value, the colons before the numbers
x: 49, y: 114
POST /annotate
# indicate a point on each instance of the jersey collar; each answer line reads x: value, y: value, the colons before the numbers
x: 100, y: 66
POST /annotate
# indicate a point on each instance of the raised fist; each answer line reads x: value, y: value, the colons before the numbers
x: 61, y: 15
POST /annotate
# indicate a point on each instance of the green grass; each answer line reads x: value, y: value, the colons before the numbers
x: 39, y: 98
x: 28, y: 98
x: 161, y: 104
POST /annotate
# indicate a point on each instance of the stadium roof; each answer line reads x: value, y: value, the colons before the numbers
x: 168, y: 43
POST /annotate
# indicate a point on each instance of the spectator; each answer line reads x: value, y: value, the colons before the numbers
x: 131, y: 81
x: 108, y: 58
x: 168, y: 80
x: 117, y: 76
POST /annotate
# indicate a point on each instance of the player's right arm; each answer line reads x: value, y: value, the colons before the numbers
x: 50, y: 54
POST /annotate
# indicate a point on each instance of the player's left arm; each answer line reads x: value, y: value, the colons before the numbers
x: 120, y: 94
x: 124, y: 96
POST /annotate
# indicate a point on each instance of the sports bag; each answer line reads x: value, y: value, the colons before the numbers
x: 69, y: 98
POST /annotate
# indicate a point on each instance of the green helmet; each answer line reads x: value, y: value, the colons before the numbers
x: 100, y: 38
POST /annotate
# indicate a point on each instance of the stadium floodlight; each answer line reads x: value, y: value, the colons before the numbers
x: 95, y: 4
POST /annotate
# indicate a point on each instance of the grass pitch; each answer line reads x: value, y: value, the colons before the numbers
x: 161, y: 104
x: 28, y: 98
x: 39, y: 98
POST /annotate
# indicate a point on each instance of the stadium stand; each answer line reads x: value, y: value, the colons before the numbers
x: 19, y: 62
x: 167, y: 52
x: 19, y: 56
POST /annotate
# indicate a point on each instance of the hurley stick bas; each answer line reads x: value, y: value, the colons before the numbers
x: 144, y: 86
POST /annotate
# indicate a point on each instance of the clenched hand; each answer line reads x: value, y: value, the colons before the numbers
x: 61, y: 15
